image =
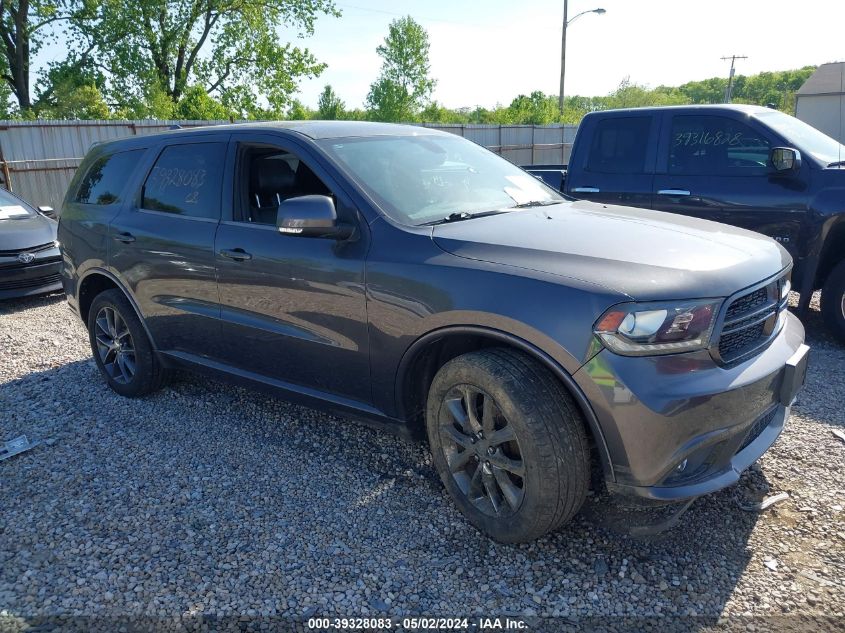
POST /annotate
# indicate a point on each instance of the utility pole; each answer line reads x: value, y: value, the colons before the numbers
x: 729, y: 89
x: 563, y: 54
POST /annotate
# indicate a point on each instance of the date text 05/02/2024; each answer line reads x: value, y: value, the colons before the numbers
x: 418, y: 624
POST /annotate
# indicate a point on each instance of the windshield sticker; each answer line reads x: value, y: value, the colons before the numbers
x: 13, y: 211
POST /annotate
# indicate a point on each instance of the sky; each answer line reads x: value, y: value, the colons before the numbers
x: 484, y: 53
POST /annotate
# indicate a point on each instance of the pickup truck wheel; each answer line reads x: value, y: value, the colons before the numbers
x: 833, y: 302
x: 509, y: 444
x: 121, y: 348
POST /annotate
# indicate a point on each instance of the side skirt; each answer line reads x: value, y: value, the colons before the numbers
x: 344, y: 407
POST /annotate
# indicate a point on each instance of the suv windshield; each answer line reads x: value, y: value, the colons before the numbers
x: 12, y: 208
x: 421, y: 179
x: 805, y: 137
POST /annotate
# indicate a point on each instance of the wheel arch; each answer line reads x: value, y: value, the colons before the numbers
x: 97, y: 281
x: 832, y: 253
x: 432, y: 350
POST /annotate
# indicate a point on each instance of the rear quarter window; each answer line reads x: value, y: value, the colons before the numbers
x: 106, y: 178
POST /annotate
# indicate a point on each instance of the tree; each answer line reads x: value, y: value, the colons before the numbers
x: 299, y: 112
x: 197, y: 105
x: 24, y: 27
x: 229, y: 48
x: 329, y: 106
x: 404, y: 87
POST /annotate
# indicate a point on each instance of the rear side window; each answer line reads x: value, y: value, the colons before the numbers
x: 105, y: 179
x: 186, y: 180
x: 619, y: 145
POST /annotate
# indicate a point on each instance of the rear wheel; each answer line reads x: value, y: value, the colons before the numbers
x: 121, y: 347
x: 509, y: 444
x: 833, y: 302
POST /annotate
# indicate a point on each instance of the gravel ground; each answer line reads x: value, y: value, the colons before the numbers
x: 211, y: 499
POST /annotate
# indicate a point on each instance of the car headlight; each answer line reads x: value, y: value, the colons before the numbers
x: 633, y: 329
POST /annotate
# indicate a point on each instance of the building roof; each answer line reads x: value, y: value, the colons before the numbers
x: 828, y: 79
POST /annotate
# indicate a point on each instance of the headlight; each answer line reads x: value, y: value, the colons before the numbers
x: 633, y: 329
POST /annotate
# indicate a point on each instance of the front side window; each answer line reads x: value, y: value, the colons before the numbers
x: 186, y: 180
x: 716, y: 146
x: 620, y: 145
x: 105, y: 179
x: 421, y: 179
x: 268, y: 177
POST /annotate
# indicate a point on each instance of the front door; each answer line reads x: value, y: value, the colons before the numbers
x: 716, y: 167
x: 163, y: 244
x: 293, y: 309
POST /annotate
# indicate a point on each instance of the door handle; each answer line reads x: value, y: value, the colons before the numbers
x: 673, y: 192
x: 586, y: 190
x: 126, y: 238
x: 236, y: 254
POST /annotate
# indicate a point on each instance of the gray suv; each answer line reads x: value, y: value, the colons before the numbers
x: 414, y: 280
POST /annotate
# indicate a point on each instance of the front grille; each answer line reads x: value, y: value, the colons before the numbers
x: 31, y: 249
x: 747, y: 303
x: 32, y: 282
x: 758, y: 427
x: 749, y: 322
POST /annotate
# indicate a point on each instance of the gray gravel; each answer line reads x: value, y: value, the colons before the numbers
x: 211, y: 499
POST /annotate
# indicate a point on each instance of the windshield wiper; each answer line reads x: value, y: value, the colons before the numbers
x: 838, y: 163
x: 462, y: 215
x: 535, y: 203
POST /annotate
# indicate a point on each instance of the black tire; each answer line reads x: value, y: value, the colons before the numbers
x: 549, y: 441
x: 147, y: 374
x: 833, y: 302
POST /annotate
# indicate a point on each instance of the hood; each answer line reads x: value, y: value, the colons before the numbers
x: 646, y: 255
x: 22, y: 233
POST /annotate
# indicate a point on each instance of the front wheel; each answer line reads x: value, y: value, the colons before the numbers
x: 508, y: 443
x: 833, y: 302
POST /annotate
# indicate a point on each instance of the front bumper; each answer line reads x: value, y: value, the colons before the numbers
x: 22, y: 280
x: 680, y: 426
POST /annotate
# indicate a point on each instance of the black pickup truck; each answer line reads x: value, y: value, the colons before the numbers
x: 749, y: 166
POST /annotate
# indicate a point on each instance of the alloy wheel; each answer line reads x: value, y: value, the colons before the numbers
x: 115, y: 345
x: 482, y: 451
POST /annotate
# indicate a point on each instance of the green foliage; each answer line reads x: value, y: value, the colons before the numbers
x: 231, y: 49
x: 403, y: 87
x: 299, y: 112
x: 75, y: 102
x: 778, y: 88
x: 329, y: 106
x: 196, y: 104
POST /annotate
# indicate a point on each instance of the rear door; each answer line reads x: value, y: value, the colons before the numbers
x: 617, y: 165
x: 163, y: 243
x: 715, y: 166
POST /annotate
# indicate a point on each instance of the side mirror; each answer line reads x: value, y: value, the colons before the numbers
x: 311, y: 216
x: 48, y: 211
x: 785, y: 160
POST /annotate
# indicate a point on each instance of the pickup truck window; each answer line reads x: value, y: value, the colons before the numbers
x: 421, y: 179
x: 619, y: 145
x: 716, y: 146
x: 186, y: 180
